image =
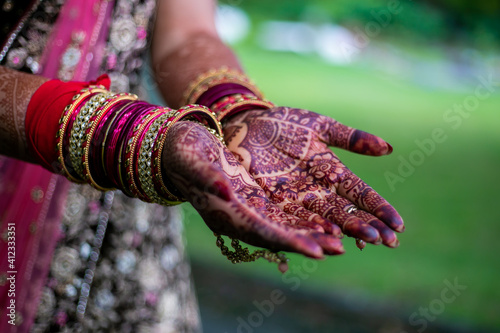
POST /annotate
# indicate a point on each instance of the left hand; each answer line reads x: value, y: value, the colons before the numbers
x: 286, y: 151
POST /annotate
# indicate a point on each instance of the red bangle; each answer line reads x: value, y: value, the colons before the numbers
x: 43, y: 114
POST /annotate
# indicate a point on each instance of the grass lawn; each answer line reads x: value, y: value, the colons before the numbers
x: 449, y: 200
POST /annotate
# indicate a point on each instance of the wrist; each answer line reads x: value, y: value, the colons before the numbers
x: 226, y: 91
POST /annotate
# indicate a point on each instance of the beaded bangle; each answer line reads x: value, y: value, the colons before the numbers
x: 204, y: 83
x: 137, y: 162
x: 77, y: 133
x: 129, y: 153
x: 63, y: 123
x: 236, y: 103
x: 145, y: 168
x: 199, y: 113
x: 93, y: 122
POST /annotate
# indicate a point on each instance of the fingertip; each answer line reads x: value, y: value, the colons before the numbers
x: 315, y: 252
x: 390, y: 216
x: 393, y: 244
x: 355, y: 227
x: 368, y: 144
x: 337, y: 232
x: 329, y: 244
x: 389, y: 148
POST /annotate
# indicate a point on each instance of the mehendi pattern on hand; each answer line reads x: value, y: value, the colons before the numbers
x: 230, y: 201
x: 286, y: 151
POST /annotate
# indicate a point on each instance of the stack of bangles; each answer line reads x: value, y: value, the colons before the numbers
x: 227, y: 92
x: 115, y: 141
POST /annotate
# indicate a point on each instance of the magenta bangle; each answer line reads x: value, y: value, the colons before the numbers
x: 111, y: 145
x: 95, y: 152
x: 137, y: 111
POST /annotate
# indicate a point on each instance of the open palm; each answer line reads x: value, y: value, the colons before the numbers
x: 231, y: 203
x: 286, y: 152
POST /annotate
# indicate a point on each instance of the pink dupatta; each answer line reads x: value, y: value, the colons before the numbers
x: 31, y: 198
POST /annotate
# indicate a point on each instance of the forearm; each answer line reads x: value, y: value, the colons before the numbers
x: 199, y: 54
x: 185, y: 45
x: 16, y: 89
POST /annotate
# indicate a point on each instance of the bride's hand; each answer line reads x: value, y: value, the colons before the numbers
x: 230, y: 201
x: 286, y: 152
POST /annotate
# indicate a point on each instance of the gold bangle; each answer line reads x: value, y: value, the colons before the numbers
x: 99, y: 113
x: 241, y: 101
x: 131, y: 148
x: 184, y: 113
x: 80, y: 125
x: 214, y: 77
x: 145, y: 167
x: 68, y: 111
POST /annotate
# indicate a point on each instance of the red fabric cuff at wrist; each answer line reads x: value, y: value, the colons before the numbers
x: 44, y: 111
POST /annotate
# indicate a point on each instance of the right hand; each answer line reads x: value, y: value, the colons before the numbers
x: 230, y: 201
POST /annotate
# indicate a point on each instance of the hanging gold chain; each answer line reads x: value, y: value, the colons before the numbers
x: 241, y: 254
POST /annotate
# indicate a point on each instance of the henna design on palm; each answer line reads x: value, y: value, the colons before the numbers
x: 286, y: 151
x: 230, y: 201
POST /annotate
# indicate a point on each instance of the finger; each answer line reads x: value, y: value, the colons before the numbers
x: 360, y: 193
x: 334, y: 210
x: 239, y: 220
x: 304, y: 214
x: 280, y: 216
x: 330, y: 244
x: 388, y: 237
x: 339, y: 135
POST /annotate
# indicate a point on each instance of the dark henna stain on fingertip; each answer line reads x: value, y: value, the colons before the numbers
x: 389, y: 216
x: 365, y: 143
x: 389, y: 148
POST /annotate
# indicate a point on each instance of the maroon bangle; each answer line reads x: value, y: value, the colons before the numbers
x: 220, y: 91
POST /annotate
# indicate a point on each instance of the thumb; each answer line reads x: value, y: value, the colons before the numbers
x: 339, y: 135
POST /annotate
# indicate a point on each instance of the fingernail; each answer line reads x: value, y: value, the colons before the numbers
x: 389, y: 148
x: 394, y: 244
x: 401, y: 228
x: 378, y: 241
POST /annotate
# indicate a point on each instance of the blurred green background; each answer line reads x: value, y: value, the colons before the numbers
x: 404, y: 85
